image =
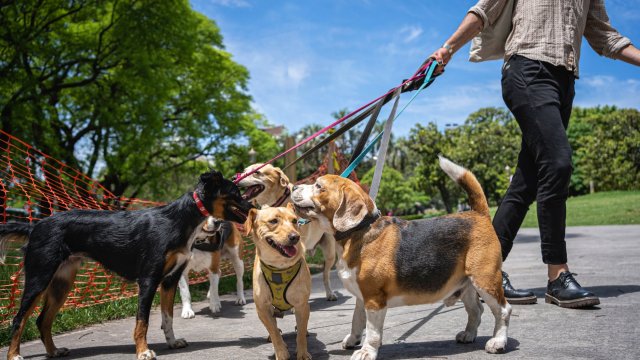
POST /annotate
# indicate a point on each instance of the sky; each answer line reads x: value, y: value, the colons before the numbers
x: 308, y: 59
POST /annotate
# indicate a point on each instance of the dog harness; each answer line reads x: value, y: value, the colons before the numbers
x: 220, y: 232
x: 279, y: 281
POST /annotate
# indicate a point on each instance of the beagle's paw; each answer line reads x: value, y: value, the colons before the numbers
x: 187, y: 313
x: 215, y: 306
x: 366, y: 353
x: 241, y: 300
x: 331, y: 296
x: 147, y: 355
x: 350, y: 341
x: 496, y: 345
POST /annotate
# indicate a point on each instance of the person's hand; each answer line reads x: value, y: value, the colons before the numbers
x: 442, y: 56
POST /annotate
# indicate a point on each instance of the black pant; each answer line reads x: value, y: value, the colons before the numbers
x: 540, y: 97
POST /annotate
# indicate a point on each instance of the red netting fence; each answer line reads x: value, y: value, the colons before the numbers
x: 34, y: 185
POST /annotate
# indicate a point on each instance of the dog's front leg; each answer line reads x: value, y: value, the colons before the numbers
x: 373, y: 340
x: 185, y: 296
x: 167, y: 296
x: 238, y: 268
x: 146, y: 291
x: 302, y: 321
x: 266, y: 316
x: 358, y: 323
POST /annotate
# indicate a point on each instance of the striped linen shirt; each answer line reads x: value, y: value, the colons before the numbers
x: 551, y: 30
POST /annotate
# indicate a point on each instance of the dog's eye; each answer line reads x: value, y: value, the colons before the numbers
x: 273, y: 221
x: 294, y: 221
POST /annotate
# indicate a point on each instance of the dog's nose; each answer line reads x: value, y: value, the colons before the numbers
x: 294, y: 237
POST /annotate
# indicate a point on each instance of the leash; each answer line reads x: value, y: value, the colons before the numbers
x: 428, y: 80
x: 408, y: 85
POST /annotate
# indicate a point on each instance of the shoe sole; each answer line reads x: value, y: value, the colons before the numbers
x: 529, y: 300
x: 573, y: 304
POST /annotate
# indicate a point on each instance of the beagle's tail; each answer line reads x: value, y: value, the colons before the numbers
x: 469, y: 183
x: 12, y: 232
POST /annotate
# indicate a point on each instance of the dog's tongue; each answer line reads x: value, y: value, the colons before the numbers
x: 291, y: 251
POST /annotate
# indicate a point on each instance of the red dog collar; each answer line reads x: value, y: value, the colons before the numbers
x: 200, y: 205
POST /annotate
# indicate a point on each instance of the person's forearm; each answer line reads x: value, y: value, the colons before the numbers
x: 470, y: 26
x: 629, y: 54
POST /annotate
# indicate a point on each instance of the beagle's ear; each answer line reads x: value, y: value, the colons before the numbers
x: 248, y: 224
x: 351, y: 212
x: 284, y: 180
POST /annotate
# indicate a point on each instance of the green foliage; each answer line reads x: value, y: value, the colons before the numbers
x: 395, y: 193
x: 127, y: 91
x: 605, y: 208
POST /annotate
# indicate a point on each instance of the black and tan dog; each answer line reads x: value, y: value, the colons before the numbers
x: 387, y: 262
x: 281, y: 278
x: 151, y: 246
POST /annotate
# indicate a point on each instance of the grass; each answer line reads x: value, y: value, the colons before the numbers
x: 605, y: 208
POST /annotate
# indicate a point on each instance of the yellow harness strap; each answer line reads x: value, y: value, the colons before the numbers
x: 279, y: 281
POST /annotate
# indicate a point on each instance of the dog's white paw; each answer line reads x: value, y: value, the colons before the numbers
x: 58, y: 352
x: 465, y: 337
x: 350, y: 341
x: 366, y: 353
x: 147, y: 355
x: 496, y: 345
x: 17, y: 357
x: 303, y: 356
x: 331, y: 296
x: 187, y: 313
x: 215, y: 306
x: 178, y: 344
x: 241, y: 301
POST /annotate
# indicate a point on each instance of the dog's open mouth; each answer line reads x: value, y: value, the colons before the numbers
x: 286, y: 250
x: 241, y: 214
x: 303, y: 209
x: 253, y: 191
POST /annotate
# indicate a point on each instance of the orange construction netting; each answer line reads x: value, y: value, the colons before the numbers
x: 34, y: 185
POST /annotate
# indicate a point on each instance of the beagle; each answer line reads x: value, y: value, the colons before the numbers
x: 386, y: 262
x: 281, y: 278
x: 270, y: 186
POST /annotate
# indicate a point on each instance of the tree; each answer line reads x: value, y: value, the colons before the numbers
x: 395, y: 192
x: 127, y: 91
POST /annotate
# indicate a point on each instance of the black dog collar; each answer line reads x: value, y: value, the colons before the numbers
x: 283, y: 198
x: 366, y: 222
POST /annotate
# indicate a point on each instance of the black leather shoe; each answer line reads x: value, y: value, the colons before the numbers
x: 516, y: 296
x: 567, y: 293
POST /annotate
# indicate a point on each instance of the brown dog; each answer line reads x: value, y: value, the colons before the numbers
x: 388, y: 262
x: 270, y: 186
x: 281, y: 278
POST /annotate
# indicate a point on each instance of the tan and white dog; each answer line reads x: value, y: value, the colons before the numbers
x: 226, y: 243
x: 386, y: 262
x: 270, y: 186
x: 281, y: 278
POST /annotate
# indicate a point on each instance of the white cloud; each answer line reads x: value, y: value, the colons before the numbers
x: 232, y: 3
x: 412, y: 33
x: 297, y: 72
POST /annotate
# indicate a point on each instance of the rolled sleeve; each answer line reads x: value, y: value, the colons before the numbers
x: 602, y: 37
x: 488, y: 11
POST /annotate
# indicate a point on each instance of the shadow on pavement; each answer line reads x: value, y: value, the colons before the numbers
x: 428, y: 349
x: 527, y: 238
x: 229, y: 310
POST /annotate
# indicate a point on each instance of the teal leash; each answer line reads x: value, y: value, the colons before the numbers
x: 427, y: 81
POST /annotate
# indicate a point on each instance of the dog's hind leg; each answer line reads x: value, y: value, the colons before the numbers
x: 474, y: 312
x: 490, y: 288
x: 214, y: 282
x: 238, y: 268
x: 39, y: 265
x: 185, y: 297
x: 55, y: 297
x: 373, y: 339
x: 328, y: 246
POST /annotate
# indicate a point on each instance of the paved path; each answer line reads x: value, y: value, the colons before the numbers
x: 607, y: 259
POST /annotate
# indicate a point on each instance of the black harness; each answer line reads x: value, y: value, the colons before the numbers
x: 365, y: 223
x: 214, y: 241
